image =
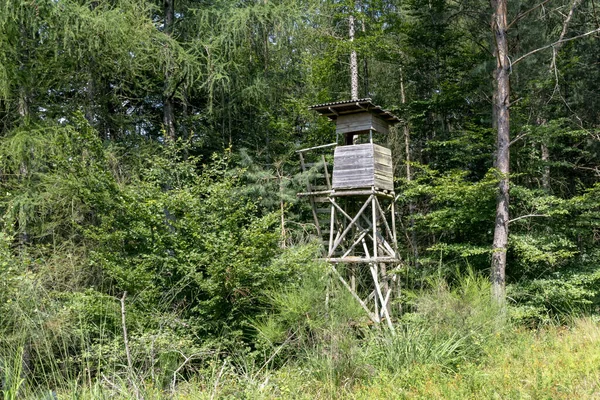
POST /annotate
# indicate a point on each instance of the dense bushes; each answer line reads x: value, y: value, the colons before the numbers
x: 84, y: 222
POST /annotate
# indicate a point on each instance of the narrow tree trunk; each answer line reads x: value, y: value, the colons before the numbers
x: 502, y: 123
x: 546, y: 173
x: 168, y: 108
x: 352, y: 139
x: 365, y: 62
x: 169, y: 117
x: 353, y: 62
x: 411, y: 205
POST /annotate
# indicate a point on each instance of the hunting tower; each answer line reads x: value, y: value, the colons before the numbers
x: 360, y: 235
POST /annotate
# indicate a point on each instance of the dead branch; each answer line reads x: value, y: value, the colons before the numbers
x: 556, y: 48
x: 523, y: 14
x: 527, y: 216
x: 183, y: 364
x: 554, y: 44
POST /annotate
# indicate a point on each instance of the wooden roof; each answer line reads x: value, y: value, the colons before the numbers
x: 335, y: 109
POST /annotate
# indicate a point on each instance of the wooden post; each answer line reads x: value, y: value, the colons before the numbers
x: 311, y: 198
x: 374, y: 213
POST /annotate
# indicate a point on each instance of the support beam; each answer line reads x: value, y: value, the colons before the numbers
x: 374, y: 317
x: 350, y: 225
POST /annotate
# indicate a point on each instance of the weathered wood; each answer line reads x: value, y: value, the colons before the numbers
x: 394, y: 238
x: 384, y: 244
x: 374, y: 211
x: 361, y: 122
x: 331, y: 228
x: 362, y: 172
x: 311, y: 199
x: 379, y: 125
x: 361, y: 260
x: 374, y: 317
x: 385, y: 223
x: 351, y: 224
x: 305, y: 194
x: 357, y: 241
x: 362, y: 166
x: 327, y: 180
x: 343, y: 193
x: 384, y: 307
x: 387, y: 299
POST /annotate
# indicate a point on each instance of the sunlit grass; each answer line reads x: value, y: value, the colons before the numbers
x: 455, y: 346
x: 554, y: 362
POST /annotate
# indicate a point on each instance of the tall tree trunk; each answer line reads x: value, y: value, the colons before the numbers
x: 352, y: 139
x: 365, y: 61
x: 168, y: 107
x: 169, y: 117
x: 353, y: 62
x: 411, y: 205
x: 502, y: 125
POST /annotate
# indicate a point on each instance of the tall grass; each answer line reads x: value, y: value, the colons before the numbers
x: 453, y: 344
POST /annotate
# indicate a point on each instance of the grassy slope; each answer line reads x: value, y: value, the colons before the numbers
x: 554, y: 362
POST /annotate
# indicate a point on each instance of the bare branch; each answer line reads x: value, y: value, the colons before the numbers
x: 527, y: 216
x: 519, y: 137
x: 596, y: 170
x: 126, y: 342
x: 520, y: 16
x: 183, y: 364
x: 556, y: 48
x: 554, y: 44
x: 214, y: 392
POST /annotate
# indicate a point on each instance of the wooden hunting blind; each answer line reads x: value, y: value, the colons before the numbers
x: 361, y: 230
x: 361, y: 166
x: 356, y: 117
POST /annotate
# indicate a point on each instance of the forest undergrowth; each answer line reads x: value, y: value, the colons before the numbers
x: 148, y: 274
x: 452, y: 343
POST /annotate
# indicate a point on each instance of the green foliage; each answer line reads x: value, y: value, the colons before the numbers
x: 561, y: 295
x: 449, y: 326
x: 194, y: 253
x: 59, y: 181
x: 210, y: 242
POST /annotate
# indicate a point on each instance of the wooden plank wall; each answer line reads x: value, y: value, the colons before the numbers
x: 360, y: 123
x: 362, y: 166
x: 384, y: 173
